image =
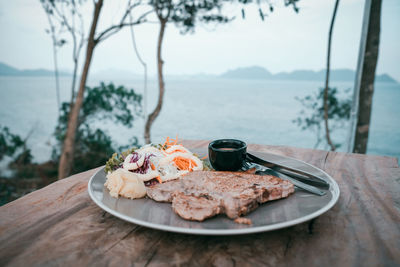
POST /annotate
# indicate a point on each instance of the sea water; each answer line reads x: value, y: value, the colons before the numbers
x: 255, y: 111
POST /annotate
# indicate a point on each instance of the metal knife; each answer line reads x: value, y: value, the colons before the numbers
x: 286, y: 170
x: 306, y: 187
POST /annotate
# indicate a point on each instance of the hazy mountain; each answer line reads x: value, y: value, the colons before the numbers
x: 298, y: 75
x: 309, y: 75
x: 385, y: 78
x: 254, y: 72
x: 7, y: 70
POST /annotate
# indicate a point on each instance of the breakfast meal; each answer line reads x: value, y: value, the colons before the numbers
x: 171, y: 173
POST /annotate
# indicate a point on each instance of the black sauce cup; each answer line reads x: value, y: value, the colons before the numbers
x: 227, y: 154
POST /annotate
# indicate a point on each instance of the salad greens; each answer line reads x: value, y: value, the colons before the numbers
x: 116, y: 160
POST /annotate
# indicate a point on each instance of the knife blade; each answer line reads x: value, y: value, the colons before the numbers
x: 287, y: 170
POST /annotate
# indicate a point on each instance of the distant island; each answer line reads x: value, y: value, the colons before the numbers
x: 249, y: 73
x: 7, y: 70
x: 261, y: 73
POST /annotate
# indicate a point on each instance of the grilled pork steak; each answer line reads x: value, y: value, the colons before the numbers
x: 203, y: 194
x: 195, y: 208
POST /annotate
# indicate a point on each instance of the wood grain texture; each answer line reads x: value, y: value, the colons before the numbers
x: 60, y: 225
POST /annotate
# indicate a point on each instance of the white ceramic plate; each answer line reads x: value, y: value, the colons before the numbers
x: 297, y: 208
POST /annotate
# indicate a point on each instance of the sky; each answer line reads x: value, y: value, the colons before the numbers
x: 284, y: 41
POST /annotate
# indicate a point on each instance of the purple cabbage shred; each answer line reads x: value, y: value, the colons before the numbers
x: 146, y: 165
x: 135, y: 157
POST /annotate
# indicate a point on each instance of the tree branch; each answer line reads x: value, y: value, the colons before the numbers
x: 116, y: 28
x: 326, y: 91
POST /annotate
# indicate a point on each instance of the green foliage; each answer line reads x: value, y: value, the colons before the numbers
x: 206, y: 11
x: 269, y: 6
x: 312, y: 115
x: 185, y: 14
x: 9, y: 142
x: 22, y: 165
x: 105, y: 103
x: 14, y: 146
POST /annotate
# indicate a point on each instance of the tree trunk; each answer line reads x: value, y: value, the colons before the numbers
x: 326, y: 91
x: 368, y: 78
x: 54, y: 40
x: 56, y: 75
x: 67, y: 155
x: 75, y: 57
x: 144, y: 68
x: 74, y: 74
x: 161, y: 87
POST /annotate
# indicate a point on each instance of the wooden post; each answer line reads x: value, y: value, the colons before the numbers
x: 365, y: 77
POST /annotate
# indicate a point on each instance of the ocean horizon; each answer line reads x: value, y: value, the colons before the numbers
x: 255, y: 111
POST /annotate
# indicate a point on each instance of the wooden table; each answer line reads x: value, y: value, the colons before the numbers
x: 60, y: 225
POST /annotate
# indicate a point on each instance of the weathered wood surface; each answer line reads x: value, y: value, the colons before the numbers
x: 60, y: 225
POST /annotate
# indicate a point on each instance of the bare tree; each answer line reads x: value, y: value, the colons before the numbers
x: 185, y: 14
x: 68, y: 13
x: 163, y: 19
x: 69, y: 18
x: 55, y: 34
x: 144, y: 68
x: 66, y: 159
x: 326, y: 90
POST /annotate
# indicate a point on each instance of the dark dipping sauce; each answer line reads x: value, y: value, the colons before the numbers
x: 227, y: 154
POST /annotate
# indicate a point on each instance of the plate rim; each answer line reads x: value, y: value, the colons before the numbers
x: 220, y: 232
